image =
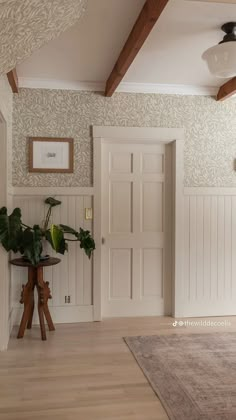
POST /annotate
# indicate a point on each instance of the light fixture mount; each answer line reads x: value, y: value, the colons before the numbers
x: 230, y: 30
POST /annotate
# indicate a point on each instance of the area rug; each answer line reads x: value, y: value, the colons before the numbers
x: 194, y: 375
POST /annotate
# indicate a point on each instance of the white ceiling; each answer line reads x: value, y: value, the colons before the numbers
x: 27, y: 25
x: 171, y: 54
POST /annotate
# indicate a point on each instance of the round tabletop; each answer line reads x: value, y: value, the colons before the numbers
x: 22, y: 262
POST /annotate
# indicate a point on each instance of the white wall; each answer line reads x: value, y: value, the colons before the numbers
x: 210, y: 137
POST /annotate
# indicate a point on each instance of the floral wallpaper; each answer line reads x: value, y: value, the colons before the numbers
x: 210, y: 127
x: 26, y: 25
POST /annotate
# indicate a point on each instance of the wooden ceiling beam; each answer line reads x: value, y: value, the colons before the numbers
x: 147, y: 18
x: 13, y: 80
x: 227, y: 90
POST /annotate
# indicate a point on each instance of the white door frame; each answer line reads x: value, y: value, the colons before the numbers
x: 4, y: 286
x: 172, y: 136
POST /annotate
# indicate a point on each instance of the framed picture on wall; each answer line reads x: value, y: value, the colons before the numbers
x: 49, y: 154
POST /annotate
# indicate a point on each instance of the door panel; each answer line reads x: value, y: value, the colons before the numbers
x: 133, y: 228
x: 121, y: 163
x: 120, y: 216
x: 152, y: 272
x: 152, y: 163
x: 120, y: 273
x: 152, y: 203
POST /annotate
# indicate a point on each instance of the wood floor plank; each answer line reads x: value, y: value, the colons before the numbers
x: 83, y: 371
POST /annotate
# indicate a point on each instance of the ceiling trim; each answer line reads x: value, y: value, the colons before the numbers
x: 216, y: 1
x: 38, y: 83
x: 169, y: 89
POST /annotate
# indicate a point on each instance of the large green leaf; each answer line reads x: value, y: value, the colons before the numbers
x: 32, y: 244
x: 10, y: 229
x: 86, y: 242
x: 16, y: 236
x: 52, y: 202
x: 84, y: 236
x: 58, y: 240
x: 68, y: 229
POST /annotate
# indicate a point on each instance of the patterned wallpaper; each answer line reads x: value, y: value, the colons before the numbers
x: 6, y: 102
x: 26, y: 25
x: 210, y: 146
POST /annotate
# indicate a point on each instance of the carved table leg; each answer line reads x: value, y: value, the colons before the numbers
x: 40, y: 289
x: 27, y: 296
x: 29, y: 324
x: 44, y: 294
x: 47, y: 294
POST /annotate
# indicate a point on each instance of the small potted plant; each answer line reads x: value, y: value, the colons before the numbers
x: 16, y: 236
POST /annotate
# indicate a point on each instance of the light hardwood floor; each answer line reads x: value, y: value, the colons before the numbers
x: 83, y: 372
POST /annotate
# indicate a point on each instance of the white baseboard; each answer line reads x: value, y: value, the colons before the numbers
x: 60, y: 315
x: 207, y: 308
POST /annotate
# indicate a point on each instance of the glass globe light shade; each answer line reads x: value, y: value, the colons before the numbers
x: 221, y: 59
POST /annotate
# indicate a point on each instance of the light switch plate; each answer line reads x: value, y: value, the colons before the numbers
x: 88, y: 213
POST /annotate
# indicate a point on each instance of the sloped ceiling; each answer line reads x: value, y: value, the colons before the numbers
x: 27, y: 25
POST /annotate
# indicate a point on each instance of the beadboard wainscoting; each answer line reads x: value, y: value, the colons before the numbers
x: 73, y: 277
x: 209, y: 251
x: 209, y: 263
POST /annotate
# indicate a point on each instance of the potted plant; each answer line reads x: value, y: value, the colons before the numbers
x: 16, y: 236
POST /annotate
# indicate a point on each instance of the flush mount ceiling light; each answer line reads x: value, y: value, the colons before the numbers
x: 221, y: 59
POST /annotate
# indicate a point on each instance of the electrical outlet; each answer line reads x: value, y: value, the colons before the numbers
x: 67, y: 299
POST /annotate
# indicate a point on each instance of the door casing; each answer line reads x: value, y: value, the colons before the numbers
x: 174, y: 137
x: 4, y: 284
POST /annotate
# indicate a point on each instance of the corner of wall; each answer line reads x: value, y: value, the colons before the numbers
x: 6, y: 108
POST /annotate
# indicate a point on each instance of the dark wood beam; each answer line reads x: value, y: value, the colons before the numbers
x: 13, y: 80
x: 147, y: 18
x: 227, y: 90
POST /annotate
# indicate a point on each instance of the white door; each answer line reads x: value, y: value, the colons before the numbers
x: 136, y: 229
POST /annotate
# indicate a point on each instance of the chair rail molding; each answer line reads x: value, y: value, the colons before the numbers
x: 210, y: 191
x: 41, y: 191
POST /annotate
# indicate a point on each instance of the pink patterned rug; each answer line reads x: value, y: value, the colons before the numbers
x: 194, y: 375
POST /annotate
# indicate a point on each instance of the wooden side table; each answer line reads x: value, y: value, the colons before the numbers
x: 35, y: 279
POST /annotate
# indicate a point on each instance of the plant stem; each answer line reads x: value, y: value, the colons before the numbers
x: 26, y: 226
x: 71, y: 240
x: 47, y: 218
